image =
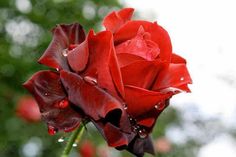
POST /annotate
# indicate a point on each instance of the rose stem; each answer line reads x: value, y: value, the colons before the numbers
x: 75, y: 137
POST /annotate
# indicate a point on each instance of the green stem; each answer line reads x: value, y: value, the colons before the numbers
x: 74, y: 138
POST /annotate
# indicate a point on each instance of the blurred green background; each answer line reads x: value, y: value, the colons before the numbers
x: 24, y: 35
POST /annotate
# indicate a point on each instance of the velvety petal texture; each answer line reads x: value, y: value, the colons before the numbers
x: 120, y: 79
x: 55, y: 109
x: 63, y: 36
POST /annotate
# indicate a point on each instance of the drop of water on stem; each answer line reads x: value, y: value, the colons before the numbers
x: 74, y: 145
x: 60, y: 140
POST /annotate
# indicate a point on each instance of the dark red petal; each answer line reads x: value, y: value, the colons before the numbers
x: 141, y: 73
x: 114, y: 135
x: 174, y: 75
x: 78, y: 57
x: 115, y: 20
x: 140, y: 100
x: 63, y: 37
x: 94, y: 101
x: 158, y: 34
x: 46, y: 88
x: 177, y: 59
x: 103, y: 63
x: 139, y: 146
x: 140, y: 45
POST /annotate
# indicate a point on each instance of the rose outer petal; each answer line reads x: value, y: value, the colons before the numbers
x: 103, y: 64
x: 174, y: 75
x: 140, y: 101
x: 63, y: 37
x: 46, y: 88
x: 115, y: 20
x: 158, y: 34
x: 95, y: 102
x: 141, y: 73
x: 78, y: 57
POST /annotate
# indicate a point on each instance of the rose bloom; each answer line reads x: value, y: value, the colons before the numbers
x: 27, y: 109
x: 120, y: 79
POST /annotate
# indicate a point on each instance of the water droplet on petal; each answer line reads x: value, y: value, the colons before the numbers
x: 74, y: 145
x: 90, y: 80
x: 51, y: 130
x: 156, y: 107
x: 65, y: 52
x: 125, y: 107
x: 57, y: 69
x: 63, y: 103
x: 60, y: 140
x: 142, y: 133
x: 46, y: 94
x: 182, y: 78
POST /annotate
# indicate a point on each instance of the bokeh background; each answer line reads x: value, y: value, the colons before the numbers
x: 200, y: 124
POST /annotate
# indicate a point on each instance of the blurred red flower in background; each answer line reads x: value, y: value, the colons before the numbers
x: 87, y: 149
x: 120, y: 79
x: 27, y: 109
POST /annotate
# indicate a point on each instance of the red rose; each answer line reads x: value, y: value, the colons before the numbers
x: 121, y: 79
x: 27, y: 109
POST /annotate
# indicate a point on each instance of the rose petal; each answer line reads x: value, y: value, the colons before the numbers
x: 141, y: 73
x: 78, y: 57
x: 177, y: 59
x: 46, y: 87
x: 174, y: 75
x: 63, y: 37
x: 158, y: 34
x: 115, y: 20
x: 103, y: 63
x: 125, y: 59
x: 140, y: 100
x: 139, y: 146
x: 94, y: 101
x: 140, y: 45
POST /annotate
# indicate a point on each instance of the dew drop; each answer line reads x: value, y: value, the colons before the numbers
x: 60, y: 140
x: 46, y: 94
x: 51, y: 130
x: 65, y: 52
x: 57, y: 69
x: 90, y: 80
x: 182, y: 78
x: 63, y: 103
x: 125, y: 107
x: 156, y: 107
x: 142, y: 133
x: 74, y: 145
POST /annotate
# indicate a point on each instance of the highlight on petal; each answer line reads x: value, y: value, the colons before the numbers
x: 140, y: 45
x: 173, y: 76
x: 103, y: 64
x: 158, y: 35
x: 47, y: 90
x: 115, y: 20
x: 140, y: 101
x: 94, y: 101
x: 63, y: 37
x: 141, y: 73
